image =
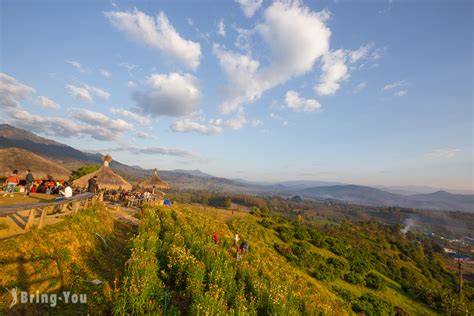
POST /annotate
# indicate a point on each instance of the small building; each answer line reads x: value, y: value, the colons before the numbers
x: 106, y: 178
x: 154, y: 183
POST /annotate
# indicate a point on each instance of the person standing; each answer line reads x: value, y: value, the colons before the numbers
x: 93, y: 186
x: 12, y: 182
x: 29, y: 181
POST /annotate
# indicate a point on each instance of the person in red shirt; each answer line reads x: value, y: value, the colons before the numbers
x: 215, y: 238
x: 12, y: 182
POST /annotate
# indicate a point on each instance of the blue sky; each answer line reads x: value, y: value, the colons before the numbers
x: 365, y: 92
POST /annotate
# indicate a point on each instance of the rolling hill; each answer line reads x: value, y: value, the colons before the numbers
x: 71, y: 159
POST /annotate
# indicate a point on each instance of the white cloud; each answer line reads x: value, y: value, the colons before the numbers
x: 78, y: 93
x: 59, y: 126
x: 157, y: 33
x: 445, y: 153
x: 359, y: 87
x: 167, y: 151
x: 395, y: 85
x: 334, y: 70
x: 141, y: 134
x: 400, y: 93
x: 98, y: 92
x: 187, y: 125
x: 85, y: 92
x: 100, y: 119
x: 361, y: 53
x: 47, y: 103
x: 249, y: 7
x: 221, y: 28
x: 190, y: 21
x: 295, y: 102
x: 296, y: 38
x: 236, y: 122
x: 76, y: 65
x: 170, y: 95
x: 12, y: 91
x: 132, y: 115
x: 131, y: 84
x: 105, y: 73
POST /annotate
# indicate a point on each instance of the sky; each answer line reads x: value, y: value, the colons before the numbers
x: 363, y: 92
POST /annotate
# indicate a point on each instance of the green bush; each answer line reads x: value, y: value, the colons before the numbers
x: 374, y: 281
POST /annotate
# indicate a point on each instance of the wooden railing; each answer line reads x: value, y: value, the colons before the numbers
x: 68, y: 206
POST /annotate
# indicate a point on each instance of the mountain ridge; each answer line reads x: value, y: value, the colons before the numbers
x: 72, y: 158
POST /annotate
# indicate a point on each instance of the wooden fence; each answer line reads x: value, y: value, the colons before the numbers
x: 68, y: 206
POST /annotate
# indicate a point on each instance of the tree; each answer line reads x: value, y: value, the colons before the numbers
x: 82, y: 171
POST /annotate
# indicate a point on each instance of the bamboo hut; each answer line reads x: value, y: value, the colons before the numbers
x: 106, y: 178
x: 21, y: 160
x: 154, y: 182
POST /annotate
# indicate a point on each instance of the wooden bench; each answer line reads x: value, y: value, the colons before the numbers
x: 64, y: 206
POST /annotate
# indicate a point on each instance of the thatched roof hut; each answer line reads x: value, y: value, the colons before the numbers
x: 106, y: 178
x: 21, y: 160
x: 154, y: 182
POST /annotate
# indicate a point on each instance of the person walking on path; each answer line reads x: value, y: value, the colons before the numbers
x: 93, y: 186
x: 29, y: 181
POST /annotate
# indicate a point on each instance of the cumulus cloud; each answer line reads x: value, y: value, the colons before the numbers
x: 187, y: 125
x: 169, y: 95
x: 47, y: 103
x: 157, y: 33
x: 296, y: 38
x: 99, y: 119
x: 143, y: 120
x: 59, y: 126
x: 78, y: 93
x: 221, y: 28
x: 334, y: 70
x: 12, y: 91
x: 444, y: 153
x: 295, y: 102
x: 85, y: 92
x: 105, y: 73
x: 76, y: 65
x: 249, y: 7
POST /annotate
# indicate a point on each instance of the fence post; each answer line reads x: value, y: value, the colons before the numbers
x: 43, y: 216
x: 75, y: 207
x: 31, y: 218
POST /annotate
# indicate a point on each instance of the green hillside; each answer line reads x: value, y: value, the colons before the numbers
x: 290, y: 269
x: 171, y: 265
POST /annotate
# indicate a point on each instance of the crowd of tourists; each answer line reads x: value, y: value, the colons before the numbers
x: 13, y: 184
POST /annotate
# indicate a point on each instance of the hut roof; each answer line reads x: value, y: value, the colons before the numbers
x: 21, y: 160
x: 154, y: 181
x: 106, y: 178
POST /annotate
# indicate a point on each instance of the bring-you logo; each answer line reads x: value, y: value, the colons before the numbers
x: 51, y: 299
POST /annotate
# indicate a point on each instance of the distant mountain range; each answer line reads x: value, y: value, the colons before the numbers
x: 72, y: 158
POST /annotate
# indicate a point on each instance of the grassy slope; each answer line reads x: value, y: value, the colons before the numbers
x: 265, y: 261
x: 61, y: 257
